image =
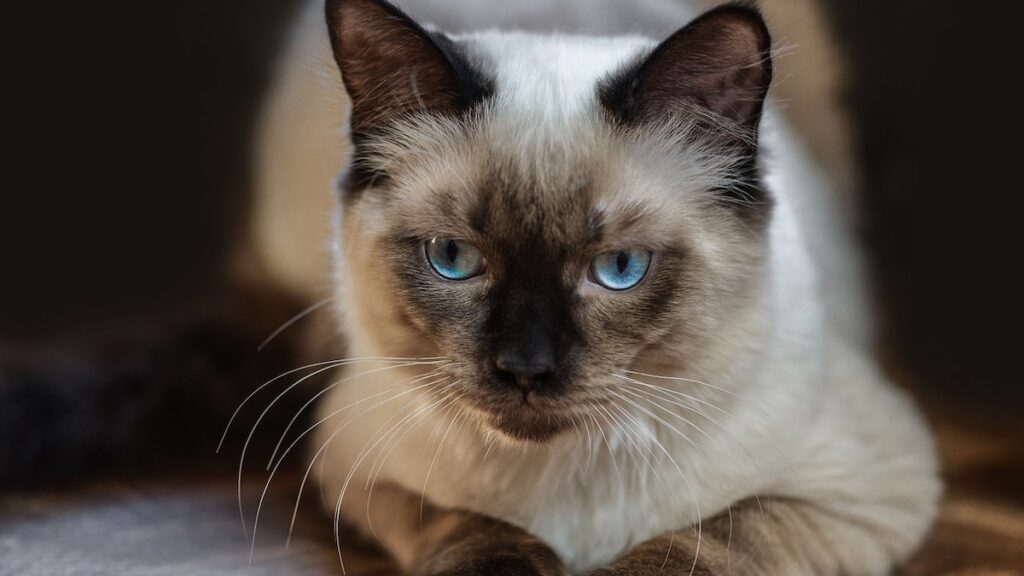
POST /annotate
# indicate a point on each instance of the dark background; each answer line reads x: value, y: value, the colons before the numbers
x: 129, y: 127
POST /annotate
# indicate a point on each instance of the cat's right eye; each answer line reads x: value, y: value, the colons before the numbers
x: 620, y: 270
x: 454, y: 259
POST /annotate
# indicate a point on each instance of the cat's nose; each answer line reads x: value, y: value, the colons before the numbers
x: 526, y: 373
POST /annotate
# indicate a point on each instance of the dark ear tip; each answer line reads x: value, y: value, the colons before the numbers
x: 331, y: 11
x: 335, y: 8
x: 344, y: 15
x: 746, y: 8
x: 746, y: 14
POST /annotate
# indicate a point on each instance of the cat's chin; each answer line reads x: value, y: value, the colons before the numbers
x: 527, y: 424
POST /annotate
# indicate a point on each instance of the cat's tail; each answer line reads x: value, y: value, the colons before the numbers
x: 147, y: 405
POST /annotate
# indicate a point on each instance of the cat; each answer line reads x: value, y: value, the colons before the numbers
x: 583, y: 284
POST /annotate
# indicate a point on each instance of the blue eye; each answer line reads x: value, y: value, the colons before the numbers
x: 620, y: 269
x: 454, y: 259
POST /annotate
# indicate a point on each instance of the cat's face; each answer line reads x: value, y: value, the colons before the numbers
x: 543, y: 253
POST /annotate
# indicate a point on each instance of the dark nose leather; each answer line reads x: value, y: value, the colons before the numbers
x: 527, y: 373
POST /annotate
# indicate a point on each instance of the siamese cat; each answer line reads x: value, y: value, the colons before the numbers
x: 598, y: 316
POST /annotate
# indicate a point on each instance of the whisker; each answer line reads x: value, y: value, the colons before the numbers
x: 611, y: 454
x: 326, y: 389
x: 378, y: 461
x: 739, y: 441
x: 337, y: 509
x: 676, y: 393
x: 437, y: 454
x: 334, y: 434
x: 490, y: 445
x: 263, y: 414
x: 390, y: 445
x: 617, y: 424
x: 689, y: 487
x: 295, y: 443
x: 659, y: 419
x: 424, y: 412
x: 293, y: 320
x: 337, y: 362
x: 575, y: 459
x: 677, y: 379
x: 590, y: 447
x: 651, y: 400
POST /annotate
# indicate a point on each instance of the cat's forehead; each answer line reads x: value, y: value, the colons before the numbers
x: 555, y: 73
x: 542, y: 153
x: 570, y: 179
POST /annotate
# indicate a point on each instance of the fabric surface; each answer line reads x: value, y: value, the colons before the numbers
x: 191, y: 525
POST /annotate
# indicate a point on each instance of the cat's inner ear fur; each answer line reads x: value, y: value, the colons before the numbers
x: 719, y: 64
x: 392, y: 67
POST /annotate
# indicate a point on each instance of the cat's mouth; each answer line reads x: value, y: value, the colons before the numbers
x: 527, y: 423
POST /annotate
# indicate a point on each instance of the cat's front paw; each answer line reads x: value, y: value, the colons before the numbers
x: 655, y: 559
x: 505, y: 564
x: 499, y: 557
x: 658, y: 566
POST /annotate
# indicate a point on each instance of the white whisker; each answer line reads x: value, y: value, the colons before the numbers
x: 293, y: 320
x: 660, y: 420
x: 437, y: 454
x: 422, y: 413
x: 677, y: 379
x: 352, y: 470
x: 611, y: 455
x: 337, y: 362
x: 378, y: 461
x: 335, y: 433
x: 678, y: 394
x: 263, y: 414
x: 295, y: 442
x: 689, y: 487
x: 739, y: 441
x: 650, y: 400
x: 414, y: 379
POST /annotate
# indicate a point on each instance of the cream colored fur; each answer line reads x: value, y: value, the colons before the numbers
x: 805, y: 416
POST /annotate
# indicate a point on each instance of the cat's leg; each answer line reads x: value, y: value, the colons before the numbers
x: 773, y: 537
x: 453, y: 543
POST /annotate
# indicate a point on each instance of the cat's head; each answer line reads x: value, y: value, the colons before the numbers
x: 549, y: 212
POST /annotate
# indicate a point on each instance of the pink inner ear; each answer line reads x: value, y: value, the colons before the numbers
x: 721, y: 62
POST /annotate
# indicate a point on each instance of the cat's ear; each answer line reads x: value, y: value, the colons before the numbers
x: 391, y: 66
x: 719, y: 63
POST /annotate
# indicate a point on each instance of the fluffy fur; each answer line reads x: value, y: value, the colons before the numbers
x: 740, y: 387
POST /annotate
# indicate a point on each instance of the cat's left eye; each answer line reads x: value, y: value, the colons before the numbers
x: 454, y: 259
x: 620, y: 269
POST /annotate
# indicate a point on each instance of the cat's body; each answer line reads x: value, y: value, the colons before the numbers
x: 757, y: 401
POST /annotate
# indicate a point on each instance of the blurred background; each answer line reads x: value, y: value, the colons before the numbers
x: 130, y: 126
